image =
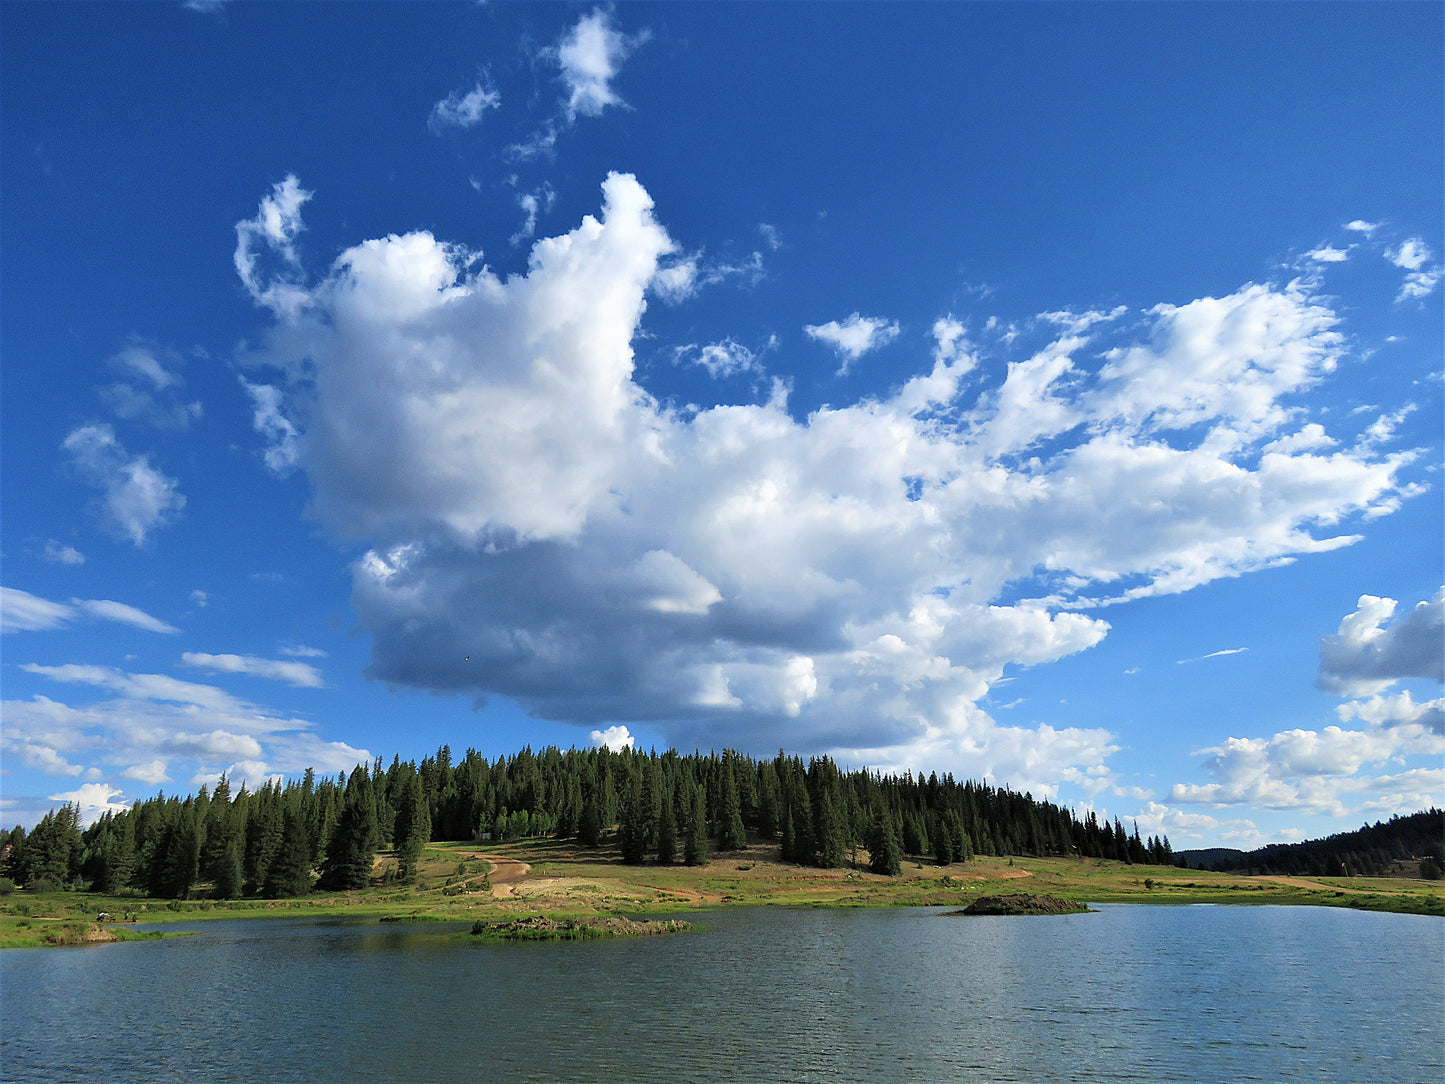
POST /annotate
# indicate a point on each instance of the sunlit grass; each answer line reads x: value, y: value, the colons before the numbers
x: 565, y: 879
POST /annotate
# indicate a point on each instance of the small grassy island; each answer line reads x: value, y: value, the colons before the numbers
x: 1023, y: 903
x: 542, y: 928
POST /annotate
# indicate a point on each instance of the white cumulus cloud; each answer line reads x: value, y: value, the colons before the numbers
x: 539, y: 527
x: 1338, y: 769
x: 590, y: 56
x: 615, y: 738
x: 94, y: 800
x: 1366, y: 655
x: 854, y: 336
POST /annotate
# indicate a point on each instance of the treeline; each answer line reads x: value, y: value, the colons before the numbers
x: 1374, y: 850
x: 323, y: 833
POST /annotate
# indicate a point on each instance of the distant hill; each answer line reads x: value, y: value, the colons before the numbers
x: 1210, y: 857
x: 1412, y: 845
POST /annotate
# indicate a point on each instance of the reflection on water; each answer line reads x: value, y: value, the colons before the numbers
x: 1133, y: 993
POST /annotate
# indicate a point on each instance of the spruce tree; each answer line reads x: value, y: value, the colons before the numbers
x: 350, y: 854
x: 883, y: 849
x: 943, y: 841
x: 730, y: 835
x: 589, y: 824
x: 413, y: 829
x: 632, y: 828
x: 290, y: 870
x: 832, y: 842
x: 667, y: 832
x: 694, y: 851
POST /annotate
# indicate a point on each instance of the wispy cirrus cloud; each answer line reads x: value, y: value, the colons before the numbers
x: 1214, y: 655
x: 726, y: 358
x: 61, y: 553
x: 137, y: 498
x: 150, y: 388
x: 22, y: 611
x: 463, y: 109
x: 300, y: 674
x: 151, y: 728
x: 1422, y: 270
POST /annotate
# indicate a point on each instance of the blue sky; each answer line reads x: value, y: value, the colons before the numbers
x: 1043, y: 393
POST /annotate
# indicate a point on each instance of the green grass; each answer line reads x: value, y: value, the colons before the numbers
x: 570, y: 881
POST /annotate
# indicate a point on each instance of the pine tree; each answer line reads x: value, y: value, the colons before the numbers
x: 110, y: 853
x: 50, y: 856
x: 883, y: 849
x: 589, y: 824
x: 667, y: 832
x: 730, y: 836
x: 832, y: 844
x: 413, y: 829
x: 632, y: 829
x: 179, y: 865
x: 943, y: 852
x: 290, y: 870
x: 694, y: 851
x: 350, y: 854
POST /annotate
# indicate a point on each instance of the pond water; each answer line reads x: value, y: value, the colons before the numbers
x: 1132, y: 993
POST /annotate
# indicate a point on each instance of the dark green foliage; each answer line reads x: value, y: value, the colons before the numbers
x: 589, y: 825
x: 667, y: 806
x: 413, y: 828
x: 694, y: 852
x: 667, y: 832
x: 290, y: 870
x: 884, y: 853
x: 352, y: 849
x: 177, y: 865
x: 731, y: 835
x: 52, y: 852
x: 943, y: 852
x: 637, y: 829
x: 1371, y: 850
x: 110, y: 854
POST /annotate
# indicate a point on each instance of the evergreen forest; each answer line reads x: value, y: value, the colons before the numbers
x: 1373, y: 850
x: 322, y: 833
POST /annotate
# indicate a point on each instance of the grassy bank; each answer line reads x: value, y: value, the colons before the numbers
x: 562, y: 879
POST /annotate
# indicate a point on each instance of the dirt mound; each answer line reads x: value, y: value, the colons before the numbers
x: 1022, y: 903
x: 77, y: 935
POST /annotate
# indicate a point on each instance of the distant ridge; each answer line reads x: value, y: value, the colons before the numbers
x: 1410, y: 845
x: 1212, y: 857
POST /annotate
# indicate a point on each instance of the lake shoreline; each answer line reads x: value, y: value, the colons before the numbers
x: 460, y: 882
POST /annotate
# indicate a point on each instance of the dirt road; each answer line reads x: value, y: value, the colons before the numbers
x: 506, y: 872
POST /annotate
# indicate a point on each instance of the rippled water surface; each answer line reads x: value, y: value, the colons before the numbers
x: 1133, y: 993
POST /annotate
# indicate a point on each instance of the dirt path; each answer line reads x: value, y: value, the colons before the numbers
x: 506, y: 872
